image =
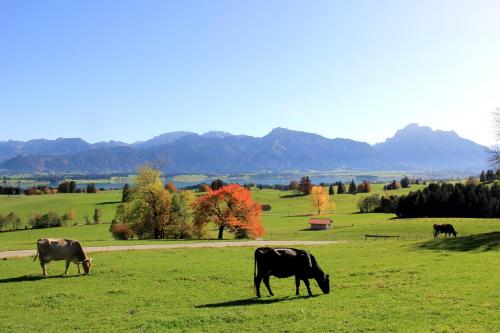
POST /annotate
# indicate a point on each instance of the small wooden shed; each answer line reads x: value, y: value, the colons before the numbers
x: 320, y: 224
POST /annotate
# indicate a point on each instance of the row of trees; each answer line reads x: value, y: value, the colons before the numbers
x: 151, y: 210
x: 70, y: 187
x: 447, y: 200
x: 489, y: 176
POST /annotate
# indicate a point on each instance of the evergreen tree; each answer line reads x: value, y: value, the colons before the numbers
x: 340, y: 188
x: 405, y: 182
x: 331, y: 190
x: 482, y: 177
x: 352, y: 187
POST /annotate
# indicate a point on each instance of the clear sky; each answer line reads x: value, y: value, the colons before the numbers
x: 130, y: 70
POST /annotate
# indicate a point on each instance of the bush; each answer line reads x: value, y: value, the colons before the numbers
x: 369, y: 204
x: 204, y: 188
x: 48, y: 220
x: 266, y: 208
x: 121, y: 231
x: 171, y: 187
x: 97, y: 216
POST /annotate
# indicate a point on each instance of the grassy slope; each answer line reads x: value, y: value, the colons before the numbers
x: 287, y: 219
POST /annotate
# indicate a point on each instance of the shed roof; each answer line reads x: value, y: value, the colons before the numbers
x: 320, y: 221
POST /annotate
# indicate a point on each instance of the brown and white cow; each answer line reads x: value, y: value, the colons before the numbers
x: 62, y: 249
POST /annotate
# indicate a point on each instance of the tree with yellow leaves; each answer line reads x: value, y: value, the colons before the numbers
x: 319, y: 198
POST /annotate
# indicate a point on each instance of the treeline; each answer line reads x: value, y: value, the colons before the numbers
x: 64, y: 187
x: 489, y: 176
x: 448, y: 200
x: 439, y: 200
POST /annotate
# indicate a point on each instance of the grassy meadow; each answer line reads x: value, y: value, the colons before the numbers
x: 414, y: 284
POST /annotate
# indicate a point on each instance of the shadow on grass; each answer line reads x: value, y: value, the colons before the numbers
x: 289, y: 196
x: 108, y: 203
x: 26, y: 278
x: 480, y: 242
x: 253, y: 301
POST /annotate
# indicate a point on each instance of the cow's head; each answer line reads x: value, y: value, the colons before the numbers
x: 324, y: 283
x: 87, y: 264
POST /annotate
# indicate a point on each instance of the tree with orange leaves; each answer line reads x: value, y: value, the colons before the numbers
x: 230, y: 207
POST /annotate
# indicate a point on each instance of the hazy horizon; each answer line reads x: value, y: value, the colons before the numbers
x: 128, y: 72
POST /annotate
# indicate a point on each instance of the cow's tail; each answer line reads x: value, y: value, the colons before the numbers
x: 36, y: 255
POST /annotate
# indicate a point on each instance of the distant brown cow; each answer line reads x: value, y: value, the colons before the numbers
x: 446, y: 229
x: 62, y: 249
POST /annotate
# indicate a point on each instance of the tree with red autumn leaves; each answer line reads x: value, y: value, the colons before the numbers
x: 230, y: 207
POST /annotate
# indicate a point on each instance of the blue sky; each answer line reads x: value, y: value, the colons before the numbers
x: 130, y: 70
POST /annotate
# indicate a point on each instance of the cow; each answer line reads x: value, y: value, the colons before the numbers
x: 286, y: 262
x: 62, y: 249
x: 446, y: 229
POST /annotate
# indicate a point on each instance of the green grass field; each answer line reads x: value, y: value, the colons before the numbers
x: 414, y: 284
x: 383, y: 286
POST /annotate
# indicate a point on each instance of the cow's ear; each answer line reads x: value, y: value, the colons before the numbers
x: 327, y: 276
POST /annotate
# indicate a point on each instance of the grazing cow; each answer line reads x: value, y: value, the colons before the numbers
x: 284, y: 263
x: 446, y: 229
x: 62, y: 249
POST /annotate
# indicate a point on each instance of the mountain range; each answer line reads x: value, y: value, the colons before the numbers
x: 411, y: 148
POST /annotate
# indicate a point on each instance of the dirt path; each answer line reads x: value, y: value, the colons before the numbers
x: 30, y: 253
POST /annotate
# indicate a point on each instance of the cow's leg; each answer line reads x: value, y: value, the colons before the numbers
x: 306, y: 282
x: 257, y: 280
x: 297, y: 285
x: 266, y: 282
x: 44, y: 267
x: 67, y: 267
x: 78, y: 266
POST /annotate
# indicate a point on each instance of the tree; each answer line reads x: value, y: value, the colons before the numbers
x: 305, y: 185
x: 180, y: 220
x: 340, y: 188
x: 495, y: 151
x: 364, y: 187
x: 352, y: 187
x: 204, y: 188
x: 319, y: 198
x: 97, y: 216
x: 216, y: 184
x: 72, y: 187
x: 293, y: 186
x: 13, y: 221
x: 68, y: 217
x: 171, y: 187
x: 482, y: 177
x: 490, y: 176
x: 63, y: 187
x: 369, y: 204
x: 230, y: 207
x: 2, y: 221
x: 150, y: 205
x: 405, y: 182
x: 126, y: 193
x: 91, y: 188
x: 331, y: 190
